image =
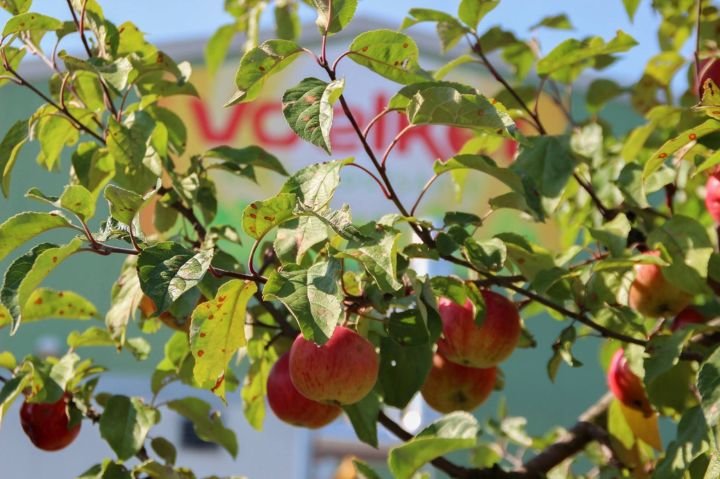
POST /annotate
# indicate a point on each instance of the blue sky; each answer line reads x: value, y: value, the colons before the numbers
x: 167, y: 20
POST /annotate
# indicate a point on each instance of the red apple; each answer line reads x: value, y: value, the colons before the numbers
x: 654, y: 296
x: 709, y: 70
x: 626, y: 386
x: 47, y: 424
x: 452, y: 387
x: 466, y: 343
x: 712, y: 196
x: 687, y: 316
x: 342, y: 371
x: 291, y: 406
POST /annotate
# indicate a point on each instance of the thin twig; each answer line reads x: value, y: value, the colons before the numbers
x: 372, y: 175
x: 422, y: 193
x: 394, y: 142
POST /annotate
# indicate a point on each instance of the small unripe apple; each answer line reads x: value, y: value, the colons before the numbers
x: 292, y: 407
x: 709, y: 70
x: 687, y: 316
x: 654, y: 296
x: 625, y: 385
x: 47, y: 424
x: 342, y: 371
x: 466, y: 343
x: 712, y: 196
x: 452, y: 387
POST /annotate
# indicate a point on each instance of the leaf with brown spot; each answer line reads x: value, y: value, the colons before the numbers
x: 214, y: 342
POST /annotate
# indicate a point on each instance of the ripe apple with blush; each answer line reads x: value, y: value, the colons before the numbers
x: 47, y: 424
x: 709, y: 70
x: 341, y: 371
x: 466, y: 343
x: 626, y: 386
x: 292, y: 407
x: 712, y: 195
x: 452, y: 387
x: 652, y: 295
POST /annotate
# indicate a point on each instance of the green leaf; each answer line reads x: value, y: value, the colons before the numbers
x: 364, y: 471
x: 403, y: 370
x: 708, y: 384
x: 363, y: 416
x: 11, y: 390
x: 690, y: 248
x: 124, y: 424
x: 613, y: 234
x: 258, y: 64
x: 390, y: 54
x: 44, y: 264
x: 312, y: 296
x: 217, y: 332
x: 666, y: 350
x: 91, y: 337
x: 488, y: 255
x: 558, y: 22
x: 447, y: 106
x: 208, y: 426
x: 562, y: 351
x: 124, y: 204
x: 254, y: 389
x: 631, y: 7
x: 401, y: 100
x: 44, y: 303
x: 315, y: 185
x: 77, y: 199
x: 125, y: 298
x: 692, y: 439
x: 168, y: 270
x: 342, y: 13
x: 308, y: 109
x: 10, y: 146
x: 93, y: 167
x: 287, y: 21
x: 261, y: 216
x: 545, y: 165
x: 453, y: 432
x: 54, y: 132
x: 217, y: 47
x: 572, y: 52
x: 673, y: 145
x: 250, y: 156
x: 377, y: 255
x: 600, y: 92
x: 126, y: 145
x: 165, y: 449
x: 472, y: 11
x: 16, y: 7
x: 31, y: 22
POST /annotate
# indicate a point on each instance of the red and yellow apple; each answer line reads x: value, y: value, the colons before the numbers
x: 652, y: 295
x: 712, y: 196
x: 292, y: 407
x: 466, y: 343
x: 687, y: 316
x: 341, y: 371
x: 452, y: 387
x: 46, y: 424
x: 709, y: 70
x: 626, y: 386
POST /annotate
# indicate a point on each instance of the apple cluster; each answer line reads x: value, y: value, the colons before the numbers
x: 308, y: 385
x: 465, y: 365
